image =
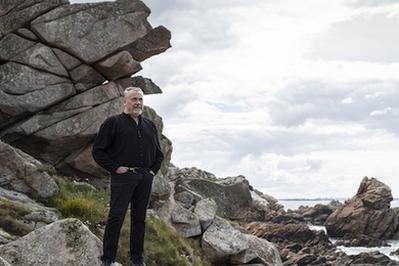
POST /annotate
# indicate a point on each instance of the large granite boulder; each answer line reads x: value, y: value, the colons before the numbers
x: 221, y: 241
x: 367, y: 213
x: 92, y: 31
x: 23, y: 173
x: 65, y: 242
x: 224, y: 192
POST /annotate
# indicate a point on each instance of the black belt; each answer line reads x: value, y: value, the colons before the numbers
x: 137, y: 169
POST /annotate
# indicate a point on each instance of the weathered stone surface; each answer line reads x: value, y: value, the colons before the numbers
x: 27, y: 34
x: 361, y: 240
x: 366, y: 213
x: 73, y: 106
x: 161, y: 189
x: 41, y: 57
x: 3, y: 262
x: 221, y: 240
x: 91, y: 31
x: 185, y: 198
x: 65, y: 242
x: 282, y: 233
x: 145, y: 84
x: 318, y: 213
x: 85, y: 77
x: 57, y: 141
x: 7, y: 5
x: 205, y: 210
x: 260, y: 251
x: 26, y: 91
x: 21, y: 12
x: 154, y: 42
x: 23, y: 173
x: 185, y: 222
x: 189, y: 173
x: 224, y: 192
x: 117, y: 66
x: 12, y: 44
x: 66, y: 59
x: 260, y: 203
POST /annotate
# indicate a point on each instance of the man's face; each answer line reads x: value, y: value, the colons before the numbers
x: 133, y: 103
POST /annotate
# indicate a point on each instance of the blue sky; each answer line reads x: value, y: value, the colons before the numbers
x: 301, y: 97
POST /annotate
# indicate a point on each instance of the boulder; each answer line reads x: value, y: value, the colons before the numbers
x: 23, y: 173
x: 56, y: 142
x: 205, y: 210
x: 186, y: 199
x: 65, y: 242
x: 145, y: 84
x: 92, y: 31
x: 221, y: 241
x: 161, y: 189
x: 285, y: 233
x: 185, y: 222
x: 367, y: 213
x: 259, y: 251
x: 85, y: 77
x: 18, y: 13
x: 118, y: 65
x: 224, y: 192
x: 154, y: 42
x: 175, y: 173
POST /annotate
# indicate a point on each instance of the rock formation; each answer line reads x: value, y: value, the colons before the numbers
x: 65, y: 242
x: 64, y: 68
x: 367, y: 213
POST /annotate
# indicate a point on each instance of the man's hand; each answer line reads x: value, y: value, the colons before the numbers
x: 122, y: 169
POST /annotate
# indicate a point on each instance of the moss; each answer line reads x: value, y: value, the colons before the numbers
x: 10, y: 215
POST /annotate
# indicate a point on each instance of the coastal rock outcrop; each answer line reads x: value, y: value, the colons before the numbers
x: 367, y: 213
x: 64, y: 69
x: 65, y: 242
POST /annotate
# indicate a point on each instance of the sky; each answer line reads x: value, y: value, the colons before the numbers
x: 300, y: 97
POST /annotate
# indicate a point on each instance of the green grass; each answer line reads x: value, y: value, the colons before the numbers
x: 10, y: 216
x: 81, y: 201
x: 163, y: 246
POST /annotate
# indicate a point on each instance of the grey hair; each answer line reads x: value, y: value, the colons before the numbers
x: 136, y: 89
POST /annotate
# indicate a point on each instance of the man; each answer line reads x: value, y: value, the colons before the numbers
x: 127, y: 146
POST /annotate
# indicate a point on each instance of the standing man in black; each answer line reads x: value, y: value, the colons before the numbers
x: 127, y: 146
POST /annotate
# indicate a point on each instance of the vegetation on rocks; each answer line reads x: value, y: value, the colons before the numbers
x: 10, y: 218
x: 163, y: 246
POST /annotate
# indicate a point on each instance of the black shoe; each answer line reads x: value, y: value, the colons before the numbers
x: 106, y: 263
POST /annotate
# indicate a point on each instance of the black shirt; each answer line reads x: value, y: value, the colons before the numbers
x: 122, y: 142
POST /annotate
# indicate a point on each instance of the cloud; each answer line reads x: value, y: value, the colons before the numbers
x: 369, y: 35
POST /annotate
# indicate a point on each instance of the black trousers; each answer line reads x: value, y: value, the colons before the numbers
x: 133, y: 188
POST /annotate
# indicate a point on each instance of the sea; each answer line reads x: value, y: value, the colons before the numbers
x: 294, y: 204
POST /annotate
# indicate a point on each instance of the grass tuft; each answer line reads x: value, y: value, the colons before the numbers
x: 10, y: 218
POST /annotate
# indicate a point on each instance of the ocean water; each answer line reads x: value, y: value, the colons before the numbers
x: 394, y: 244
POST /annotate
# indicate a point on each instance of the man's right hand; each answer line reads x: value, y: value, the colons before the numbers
x: 122, y: 169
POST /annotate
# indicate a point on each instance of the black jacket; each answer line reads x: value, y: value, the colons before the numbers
x: 122, y: 142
